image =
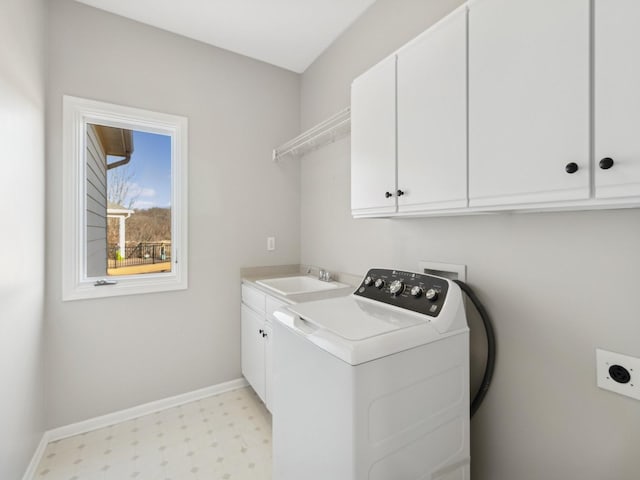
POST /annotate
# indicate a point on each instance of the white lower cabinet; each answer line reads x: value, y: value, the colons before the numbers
x: 268, y: 364
x: 256, y: 315
x: 253, y: 348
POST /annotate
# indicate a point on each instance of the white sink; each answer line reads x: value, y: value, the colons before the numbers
x: 297, y: 285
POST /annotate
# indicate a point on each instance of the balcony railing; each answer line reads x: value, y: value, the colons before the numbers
x: 140, y: 254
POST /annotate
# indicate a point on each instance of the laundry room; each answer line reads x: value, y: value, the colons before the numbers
x: 390, y: 239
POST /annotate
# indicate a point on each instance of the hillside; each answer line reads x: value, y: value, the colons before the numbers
x: 149, y: 225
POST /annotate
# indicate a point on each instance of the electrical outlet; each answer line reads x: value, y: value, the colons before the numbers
x: 618, y: 373
x: 271, y: 243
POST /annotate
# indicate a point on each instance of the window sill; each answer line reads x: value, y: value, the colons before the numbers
x: 132, y: 285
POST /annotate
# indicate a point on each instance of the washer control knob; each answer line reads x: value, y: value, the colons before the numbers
x: 431, y: 295
x: 416, y: 292
x: 379, y: 283
x: 396, y: 287
x: 368, y: 281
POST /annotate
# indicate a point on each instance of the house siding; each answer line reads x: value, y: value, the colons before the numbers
x: 96, y: 205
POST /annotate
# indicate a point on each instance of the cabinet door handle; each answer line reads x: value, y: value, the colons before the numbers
x: 388, y: 194
x: 606, y: 163
x: 571, y: 167
x: 399, y: 193
x: 264, y: 334
x: 261, y: 332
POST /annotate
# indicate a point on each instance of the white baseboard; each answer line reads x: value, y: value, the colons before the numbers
x: 124, y: 415
x: 144, y: 409
x: 30, y: 473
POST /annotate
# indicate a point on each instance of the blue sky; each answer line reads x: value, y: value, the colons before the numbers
x: 151, y: 168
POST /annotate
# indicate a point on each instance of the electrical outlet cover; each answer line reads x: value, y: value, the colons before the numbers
x: 605, y: 360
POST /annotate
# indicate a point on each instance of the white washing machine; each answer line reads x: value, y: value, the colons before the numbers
x: 375, y: 385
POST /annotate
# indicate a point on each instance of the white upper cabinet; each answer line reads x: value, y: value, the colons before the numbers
x: 529, y: 90
x: 617, y: 98
x: 373, y: 140
x: 503, y: 105
x: 432, y: 118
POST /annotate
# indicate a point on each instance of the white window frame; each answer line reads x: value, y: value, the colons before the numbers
x: 77, y: 112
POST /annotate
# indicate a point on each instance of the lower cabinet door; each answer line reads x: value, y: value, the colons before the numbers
x: 268, y: 365
x: 252, y: 344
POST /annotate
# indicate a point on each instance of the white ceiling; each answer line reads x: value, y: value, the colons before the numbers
x: 288, y: 33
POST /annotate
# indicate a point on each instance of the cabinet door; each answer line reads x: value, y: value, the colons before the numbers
x: 268, y: 364
x: 373, y: 140
x: 617, y: 98
x: 528, y: 101
x: 432, y: 117
x: 252, y: 344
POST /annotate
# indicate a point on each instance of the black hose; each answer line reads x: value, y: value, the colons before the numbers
x: 491, y: 347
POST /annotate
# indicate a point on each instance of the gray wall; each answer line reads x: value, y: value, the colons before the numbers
x: 558, y: 285
x: 109, y: 354
x: 22, y: 240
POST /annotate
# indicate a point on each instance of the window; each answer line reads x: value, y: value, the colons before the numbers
x: 125, y: 200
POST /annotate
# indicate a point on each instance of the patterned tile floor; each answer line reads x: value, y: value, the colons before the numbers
x: 224, y: 437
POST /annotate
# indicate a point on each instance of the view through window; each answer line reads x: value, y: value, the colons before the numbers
x: 137, y: 189
x: 125, y: 200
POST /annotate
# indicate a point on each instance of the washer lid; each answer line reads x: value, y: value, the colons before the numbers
x: 356, y: 319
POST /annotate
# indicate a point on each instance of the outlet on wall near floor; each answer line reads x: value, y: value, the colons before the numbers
x: 618, y: 373
x: 271, y: 244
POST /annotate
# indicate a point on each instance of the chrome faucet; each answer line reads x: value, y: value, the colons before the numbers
x: 324, y: 275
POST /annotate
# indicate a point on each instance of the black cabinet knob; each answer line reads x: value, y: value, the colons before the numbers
x: 571, y: 167
x: 606, y: 163
x: 399, y: 193
x: 388, y: 194
x: 261, y: 332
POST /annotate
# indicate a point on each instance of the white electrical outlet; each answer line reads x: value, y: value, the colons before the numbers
x: 271, y: 243
x: 618, y: 373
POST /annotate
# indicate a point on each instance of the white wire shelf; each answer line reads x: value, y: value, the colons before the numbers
x: 332, y: 129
